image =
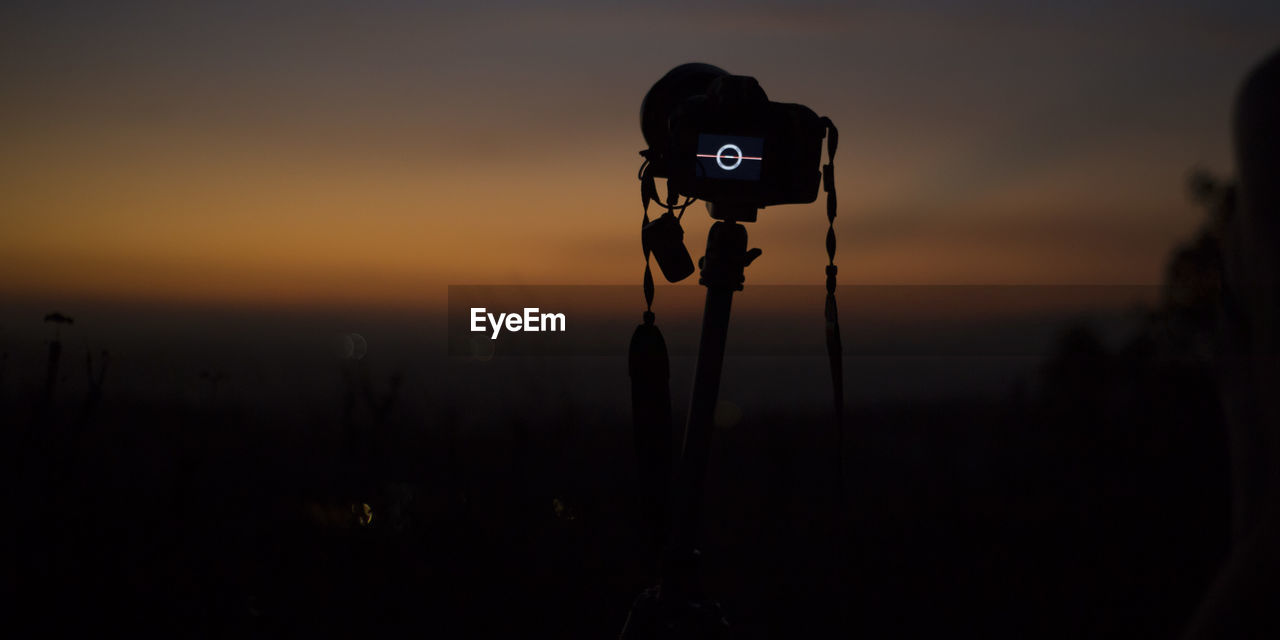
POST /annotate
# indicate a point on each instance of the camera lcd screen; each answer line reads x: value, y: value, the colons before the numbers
x: 729, y: 157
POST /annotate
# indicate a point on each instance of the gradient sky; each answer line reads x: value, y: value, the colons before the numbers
x: 374, y: 152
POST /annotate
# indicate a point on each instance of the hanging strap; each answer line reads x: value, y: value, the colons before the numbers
x: 648, y: 193
x: 650, y: 373
x: 835, y: 352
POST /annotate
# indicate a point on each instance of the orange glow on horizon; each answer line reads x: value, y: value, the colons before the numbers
x: 315, y: 164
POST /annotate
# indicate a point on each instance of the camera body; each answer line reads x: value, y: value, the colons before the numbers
x: 727, y: 143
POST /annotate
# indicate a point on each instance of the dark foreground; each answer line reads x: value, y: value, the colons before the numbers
x: 1093, y: 505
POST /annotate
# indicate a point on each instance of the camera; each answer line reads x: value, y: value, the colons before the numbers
x: 717, y: 137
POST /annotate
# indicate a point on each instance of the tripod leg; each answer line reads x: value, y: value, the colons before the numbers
x: 722, y: 274
x: 679, y: 603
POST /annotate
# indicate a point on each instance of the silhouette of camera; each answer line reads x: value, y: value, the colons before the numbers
x: 717, y: 137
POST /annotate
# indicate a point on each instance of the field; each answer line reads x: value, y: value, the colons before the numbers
x: 285, y: 495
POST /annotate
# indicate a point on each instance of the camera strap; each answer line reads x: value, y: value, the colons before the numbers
x: 835, y: 351
x: 650, y: 372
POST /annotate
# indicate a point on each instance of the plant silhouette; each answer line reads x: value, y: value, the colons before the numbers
x: 58, y: 320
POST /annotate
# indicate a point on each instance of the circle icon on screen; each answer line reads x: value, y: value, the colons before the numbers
x: 734, y: 154
x: 731, y: 152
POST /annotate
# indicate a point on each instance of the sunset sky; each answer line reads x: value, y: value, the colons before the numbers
x: 376, y: 152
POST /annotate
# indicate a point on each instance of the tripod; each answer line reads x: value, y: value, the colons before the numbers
x: 678, y: 608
